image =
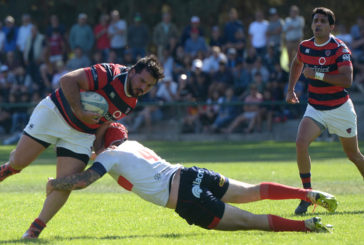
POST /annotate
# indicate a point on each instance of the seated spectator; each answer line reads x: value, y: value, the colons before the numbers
x: 242, y: 78
x: 193, y: 26
x: 195, y: 43
x: 259, y: 67
x: 221, y: 79
x: 216, y: 39
x: 199, y: 81
x: 226, y: 113
x: 207, y: 113
x: 250, y: 113
x: 167, y: 90
x: 79, y: 60
x: 60, y: 71
x: 211, y: 63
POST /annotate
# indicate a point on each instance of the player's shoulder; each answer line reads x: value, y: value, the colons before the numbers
x: 308, y: 42
x: 341, y: 46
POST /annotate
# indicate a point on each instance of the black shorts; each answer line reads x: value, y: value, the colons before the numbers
x: 199, y: 195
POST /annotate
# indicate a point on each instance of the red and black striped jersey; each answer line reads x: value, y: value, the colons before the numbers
x: 326, y: 58
x: 108, y: 80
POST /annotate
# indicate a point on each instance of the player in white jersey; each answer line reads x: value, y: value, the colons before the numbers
x: 198, y: 195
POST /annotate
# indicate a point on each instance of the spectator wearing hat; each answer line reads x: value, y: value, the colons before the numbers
x: 193, y: 26
x: 81, y: 35
x: 11, y: 34
x: 211, y: 63
x: 138, y: 37
x: 275, y: 31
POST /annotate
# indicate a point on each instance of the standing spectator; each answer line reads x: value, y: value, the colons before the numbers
x: 24, y: 32
x: 55, y: 24
x: 81, y: 35
x: 34, y: 54
x: 118, y: 34
x: 79, y: 60
x: 56, y: 46
x: 274, y: 31
x: 343, y: 34
x: 138, y: 37
x: 195, y: 43
x: 101, y: 36
x: 293, y: 28
x: 258, y: 33
x: 11, y: 34
x: 216, y: 39
x: 355, y: 29
x: 193, y: 26
x: 163, y: 31
x: 232, y: 26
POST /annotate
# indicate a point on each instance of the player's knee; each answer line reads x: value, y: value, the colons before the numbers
x: 246, y: 221
x: 301, y: 143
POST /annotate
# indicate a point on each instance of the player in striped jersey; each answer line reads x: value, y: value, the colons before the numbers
x: 325, y: 61
x: 198, y: 195
x: 59, y: 119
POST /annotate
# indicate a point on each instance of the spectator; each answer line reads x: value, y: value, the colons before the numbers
x: 167, y: 90
x: 195, y: 43
x: 293, y: 28
x: 221, y: 79
x: 101, y: 36
x: 163, y: 31
x: 24, y: 32
x: 118, y: 34
x: 242, y: 78
x: 81, y: 35
x: 2, y: 37
x: 232, y: 58
x: 168, y: 63
x: 275, y: 31
x: 60, y: 71
x: 358, y: 47
x: 238, y: 44
x: 19, y: 116
x: 79, y: 60
x: 34, y: 54
x: 138, y: 37
x: 56, y: 46
x: 14, y: 63
x: 11, y: 34
x: 199, y: 81
x: 55, y: 25
x: 211, y: 63
x: 207, y: 113
x: 128, y: 58
x: 227, y: 112
x: 232, y: 26
x: 216, y: 39
x: 259, y: 67
x: 193, y: 26
x: 343, y: 34
x: 257, y: 33
x: 251, y: 111
x: 355, y: 29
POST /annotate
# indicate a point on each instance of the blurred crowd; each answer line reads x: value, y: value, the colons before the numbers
x: 219, y: 65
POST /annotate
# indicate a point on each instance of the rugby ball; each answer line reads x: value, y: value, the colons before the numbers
x: 94, y: 102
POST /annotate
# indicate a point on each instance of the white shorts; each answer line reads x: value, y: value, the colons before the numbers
x: 341, y: 121
x: 47, y: 124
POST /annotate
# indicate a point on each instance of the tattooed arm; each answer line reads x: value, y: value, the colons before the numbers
x: 73, y: 182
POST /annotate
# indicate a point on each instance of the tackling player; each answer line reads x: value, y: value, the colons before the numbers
x: 198, y: 195
x: 326, y: 64
x: 59, y: 119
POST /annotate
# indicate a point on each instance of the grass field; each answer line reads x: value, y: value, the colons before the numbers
x: 106, y: 214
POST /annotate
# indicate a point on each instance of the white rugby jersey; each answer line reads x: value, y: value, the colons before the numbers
x: 140, y: 170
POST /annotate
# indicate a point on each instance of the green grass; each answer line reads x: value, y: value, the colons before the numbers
x: 106, y: 214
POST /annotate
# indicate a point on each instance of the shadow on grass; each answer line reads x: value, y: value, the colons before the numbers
x: 60, y: 238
